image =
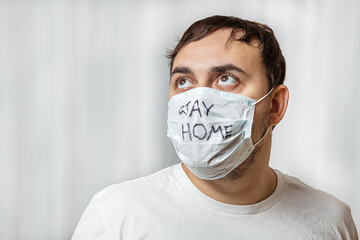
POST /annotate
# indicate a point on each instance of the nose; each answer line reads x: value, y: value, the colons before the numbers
x: 204, y: 81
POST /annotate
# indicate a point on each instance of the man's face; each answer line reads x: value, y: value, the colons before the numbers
x: 232, y: 66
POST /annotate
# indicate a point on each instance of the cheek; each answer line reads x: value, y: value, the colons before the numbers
x: 171, y: 93
x: 172, y: 90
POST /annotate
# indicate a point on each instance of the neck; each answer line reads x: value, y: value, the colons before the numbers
x: 255, y: 185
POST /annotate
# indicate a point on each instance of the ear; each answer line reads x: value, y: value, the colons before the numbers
x: 278, y: 105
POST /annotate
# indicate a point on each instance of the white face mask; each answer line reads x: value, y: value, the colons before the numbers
x: 211, y: 130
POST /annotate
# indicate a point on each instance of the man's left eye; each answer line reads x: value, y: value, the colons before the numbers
x: 226, y: 80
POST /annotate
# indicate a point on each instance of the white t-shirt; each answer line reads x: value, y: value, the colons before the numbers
x: 167, y: 206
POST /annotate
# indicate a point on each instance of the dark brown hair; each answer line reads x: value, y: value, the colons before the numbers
x: 272, y: 57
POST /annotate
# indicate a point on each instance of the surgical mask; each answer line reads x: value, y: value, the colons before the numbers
x: 211, y: 130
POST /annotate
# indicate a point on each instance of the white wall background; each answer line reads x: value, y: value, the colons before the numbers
x: 83, y: 99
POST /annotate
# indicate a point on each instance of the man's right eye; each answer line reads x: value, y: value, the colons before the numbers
x: 184, y: 83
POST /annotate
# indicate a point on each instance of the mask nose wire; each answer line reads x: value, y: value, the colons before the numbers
x: 263, y: 97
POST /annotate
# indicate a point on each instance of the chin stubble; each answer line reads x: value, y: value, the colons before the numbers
x: 244, y: 167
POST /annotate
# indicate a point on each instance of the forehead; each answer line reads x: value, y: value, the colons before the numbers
x: 217, y: 49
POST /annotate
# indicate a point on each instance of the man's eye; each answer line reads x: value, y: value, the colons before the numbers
x: 226, y: 80
x: 183, y: 83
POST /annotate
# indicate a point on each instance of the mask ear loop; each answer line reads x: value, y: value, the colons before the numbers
x: 267, y: 130
x: 263, y: 97
x: 262, y: 138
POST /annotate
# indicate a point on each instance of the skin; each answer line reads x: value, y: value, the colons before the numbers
x: 210, y: 62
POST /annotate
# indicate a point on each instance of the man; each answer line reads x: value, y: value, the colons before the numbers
x: 226, y: 97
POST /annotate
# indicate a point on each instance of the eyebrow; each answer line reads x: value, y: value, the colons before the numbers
x: 183, y: 70
x: 227, y: 67
x: 216, y: 69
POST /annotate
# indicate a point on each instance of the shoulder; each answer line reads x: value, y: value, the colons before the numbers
x: 141, y: 188
x: 298, y: 190
x: 124, y: 204
x: 137, y: 187
x: 318, y: 208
